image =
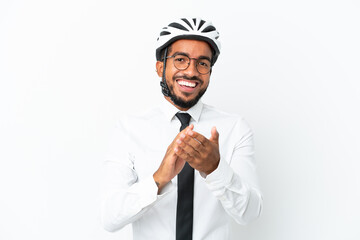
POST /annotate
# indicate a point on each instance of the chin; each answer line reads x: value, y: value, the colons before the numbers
x: 183, y: 100
x: 185, y: 103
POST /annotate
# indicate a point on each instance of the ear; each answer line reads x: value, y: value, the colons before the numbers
x: 159, y: 68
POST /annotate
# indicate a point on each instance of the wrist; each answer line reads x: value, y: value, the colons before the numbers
x: 215, y: 166
x: 160, y: 183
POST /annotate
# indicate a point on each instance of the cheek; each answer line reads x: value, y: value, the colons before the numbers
x: 169, y: 75
x: 206, y: 81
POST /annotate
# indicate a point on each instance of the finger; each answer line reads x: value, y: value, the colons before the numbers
x: 194, y: 143
x: 198, y: 137
x: 187, y: 148
x: 190, y: 127
x: 181, y: 153
x: 186, y: 138
x: 214, y: 135
x: 178, y: 136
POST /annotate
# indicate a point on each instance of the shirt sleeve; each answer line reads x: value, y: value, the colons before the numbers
x: 234, y: 182
x: 124, y: 197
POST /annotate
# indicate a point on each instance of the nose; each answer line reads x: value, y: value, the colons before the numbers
x: 191, y: 70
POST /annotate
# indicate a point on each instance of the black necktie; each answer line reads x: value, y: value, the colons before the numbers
x: 184, y: 213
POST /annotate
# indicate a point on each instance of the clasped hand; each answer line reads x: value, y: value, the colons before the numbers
x: 201, y: 153
x: 189, y: 146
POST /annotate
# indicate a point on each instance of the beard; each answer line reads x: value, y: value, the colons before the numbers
x: 180, y: 102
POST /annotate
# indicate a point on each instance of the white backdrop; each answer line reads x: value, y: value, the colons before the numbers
x: 70, y: 68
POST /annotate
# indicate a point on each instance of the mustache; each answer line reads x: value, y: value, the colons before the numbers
x: 194, y: 78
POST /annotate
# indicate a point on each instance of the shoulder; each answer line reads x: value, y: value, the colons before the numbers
x: 213, y: 112
x: 141, y: 119
x: 233, y: 122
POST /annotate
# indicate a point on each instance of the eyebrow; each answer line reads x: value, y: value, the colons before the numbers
x: 185, y: 54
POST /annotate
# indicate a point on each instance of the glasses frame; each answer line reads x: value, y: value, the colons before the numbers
x: 196, y: 63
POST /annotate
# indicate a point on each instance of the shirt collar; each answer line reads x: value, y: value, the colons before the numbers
x: 170, y: 110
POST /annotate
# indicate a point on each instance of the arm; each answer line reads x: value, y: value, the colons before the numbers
x: 233, y: 181
x: 125, y: 199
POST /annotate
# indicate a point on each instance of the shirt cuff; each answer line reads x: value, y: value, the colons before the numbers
x: 147, y: 189
x: 220, y: 177
x: 145, y: 192
x: 166, y: 189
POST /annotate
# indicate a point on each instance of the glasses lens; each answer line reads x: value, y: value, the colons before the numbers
x: 181, y: 62
x: 203, y: 66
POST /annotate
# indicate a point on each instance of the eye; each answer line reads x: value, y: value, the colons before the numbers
x: 204, y: 63
x: 180, y: 59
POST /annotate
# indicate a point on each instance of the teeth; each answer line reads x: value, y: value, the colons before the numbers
x: 188, y: 84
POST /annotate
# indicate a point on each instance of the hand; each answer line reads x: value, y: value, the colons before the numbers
x: 201, y: 153
x: 171, y: 164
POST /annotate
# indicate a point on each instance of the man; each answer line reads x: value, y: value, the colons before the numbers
x: 182, y: 185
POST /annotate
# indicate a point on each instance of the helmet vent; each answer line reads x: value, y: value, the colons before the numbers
x: 187, y: 22
x: 209, y: 29
x: 201, y: 23
x: 164, y: 33
x: 178, y: 26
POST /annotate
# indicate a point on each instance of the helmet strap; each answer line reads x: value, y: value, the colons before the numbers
x: 164, y: 87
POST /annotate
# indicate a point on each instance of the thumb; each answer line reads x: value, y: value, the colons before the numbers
x: 214, y: 135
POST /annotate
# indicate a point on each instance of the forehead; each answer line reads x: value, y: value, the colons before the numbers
x: 193, y: 48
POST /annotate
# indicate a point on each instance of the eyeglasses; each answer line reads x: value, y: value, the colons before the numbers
x: 182, y: 62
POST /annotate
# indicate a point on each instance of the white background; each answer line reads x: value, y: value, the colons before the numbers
x: 69, y: 69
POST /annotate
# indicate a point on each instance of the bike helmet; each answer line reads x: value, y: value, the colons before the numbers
x: 189, y: 28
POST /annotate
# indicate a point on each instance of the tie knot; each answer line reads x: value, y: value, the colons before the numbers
x: 184, y: 119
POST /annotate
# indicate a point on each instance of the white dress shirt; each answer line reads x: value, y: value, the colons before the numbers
x: 136, y: 151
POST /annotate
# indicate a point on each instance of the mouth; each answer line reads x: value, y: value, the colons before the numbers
x: 187, y: 86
